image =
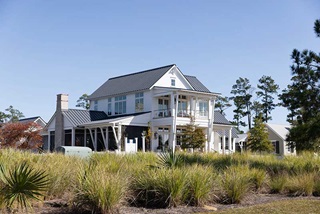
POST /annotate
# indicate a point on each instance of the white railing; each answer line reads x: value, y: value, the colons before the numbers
x: 161, y: 113
x: 181, y: 113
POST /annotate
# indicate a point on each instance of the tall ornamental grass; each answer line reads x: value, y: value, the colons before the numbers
x: 159, y: 187
x: 99, y: 190
x: 235, y: 184
x: 301, y: 185
x: 201, y: 183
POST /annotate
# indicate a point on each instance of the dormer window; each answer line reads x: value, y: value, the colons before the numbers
x: 173, y: 82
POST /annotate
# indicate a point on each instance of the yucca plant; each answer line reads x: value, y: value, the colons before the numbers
x: 169, y: 160
x: 21, y: 185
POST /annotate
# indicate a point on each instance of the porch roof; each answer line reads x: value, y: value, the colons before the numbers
x: 140, y: 119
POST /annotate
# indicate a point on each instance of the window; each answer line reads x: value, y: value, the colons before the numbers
x: 203, y: 108
x: 95, y: 107
x: 109, y: 106
x: 139, y: 102
x: 173, y: 82
x: 120, y: 105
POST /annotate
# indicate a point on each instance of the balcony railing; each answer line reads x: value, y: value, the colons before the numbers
x: 162, y: 113
x: 181, y: 113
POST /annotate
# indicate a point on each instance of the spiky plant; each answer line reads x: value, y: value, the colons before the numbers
x: 169, y: 160
x: 21, y: 185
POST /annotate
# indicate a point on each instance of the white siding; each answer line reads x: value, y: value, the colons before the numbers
x: 174, y: 73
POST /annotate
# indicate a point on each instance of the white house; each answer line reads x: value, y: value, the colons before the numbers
x: 162, y: 99
x: 277, y: 135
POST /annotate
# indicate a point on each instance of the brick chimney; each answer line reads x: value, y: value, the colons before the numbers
x: 62, y: 105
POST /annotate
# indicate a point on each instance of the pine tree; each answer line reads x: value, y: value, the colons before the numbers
x: 222, y: 103
x: 258, y: 138
x: 302, y: 97
x: 242, y: 100
x: 267, y: 88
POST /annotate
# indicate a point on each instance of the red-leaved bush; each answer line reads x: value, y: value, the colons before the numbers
x: 20, y: 135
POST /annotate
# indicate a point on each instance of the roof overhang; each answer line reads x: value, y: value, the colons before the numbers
x: 184, y: 91
x: 133, y: 120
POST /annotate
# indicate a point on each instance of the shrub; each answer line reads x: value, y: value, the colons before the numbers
x: 169, y: 160
x: 235, y: 184
x: 200, y: 183
x: 277, y: 183
x: 258, y: 178
x: 100, y: 191
x: 301, y: 185
x: 159, y: 188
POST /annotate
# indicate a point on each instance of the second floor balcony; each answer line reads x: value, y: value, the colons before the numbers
x: 197, y: 114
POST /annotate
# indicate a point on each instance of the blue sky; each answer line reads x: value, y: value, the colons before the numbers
x: 73, y: 46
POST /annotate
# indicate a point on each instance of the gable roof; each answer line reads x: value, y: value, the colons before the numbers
x: 37, y: 120
x: 141, y: 81
x: 220, y: 119
x: 281, y: 130
x: 196, y: 84
x: 129, y: 83
x: 79, y: 116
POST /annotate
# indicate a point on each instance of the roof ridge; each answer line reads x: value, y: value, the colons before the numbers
x: 141, y: 72
x: 186, y: 75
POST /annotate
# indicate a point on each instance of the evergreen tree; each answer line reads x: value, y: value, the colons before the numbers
x: 83, y: 101
x: 258, y: 138
x: 192, y: 137
x: 242, y: 100
x: 256, y: 109
x: 302, y: 98
x: 222, y: 103
x: 14, y: 114
x: 267, y: 88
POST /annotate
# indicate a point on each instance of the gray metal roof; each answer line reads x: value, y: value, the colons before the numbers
x: 196, y: 84
x: 78, y: 116
x: 220, y: 119
x: 234, y: 132
x: 129, y: 83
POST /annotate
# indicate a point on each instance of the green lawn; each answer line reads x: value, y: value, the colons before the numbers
x: 279, y: 207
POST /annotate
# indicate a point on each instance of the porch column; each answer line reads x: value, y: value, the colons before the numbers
x: 119, y: 137
x: 85, y: 137
x: 224, y: 142
x: 73, y: 137
x: 143, y: 143
x: 95, y: 144
x: 49, y: 141
x: 229, y: 140
x: 107, y: 139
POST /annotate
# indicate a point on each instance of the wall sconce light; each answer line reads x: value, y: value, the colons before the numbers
x: 156, y: 135
x: 143, y: 133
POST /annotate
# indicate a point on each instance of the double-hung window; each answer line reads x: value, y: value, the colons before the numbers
x: 139, y: 102
x: 109, y: 106
x: 120, y: 105
x: 95, y: 106
x: 203, y: 108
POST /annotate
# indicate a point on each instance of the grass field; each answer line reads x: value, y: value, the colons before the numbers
x: 104, y: 182
x: 279, y: 207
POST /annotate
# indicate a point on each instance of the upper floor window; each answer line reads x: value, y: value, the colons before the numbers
x: 109, y: 106
x: 120, y: 105
x: 173, y: 82
x: 139, y: 102
x: 95, y: 106
x: 203, y: 108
